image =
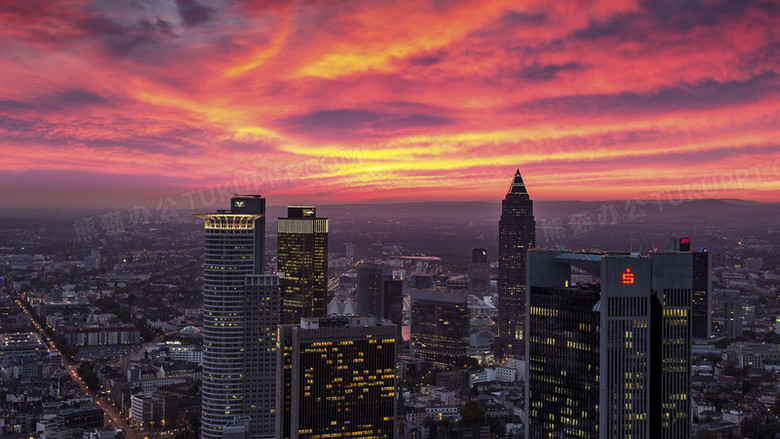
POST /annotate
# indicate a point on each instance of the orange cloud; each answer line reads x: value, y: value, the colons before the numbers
x: 322, y: 102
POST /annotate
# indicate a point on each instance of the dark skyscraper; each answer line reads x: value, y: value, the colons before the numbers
x: 479, y: 256
x: 565, y: 375
x: 378, y: 294
x: 336, y: 377
x: 440, y: 326
x: 302, y: 255
x: 679, y: 244
x: 611, y: 359
x: 240, y: 314
x: 701, y: 317
x: 733, y: 307
x: 479, y: 272
x: 516, y: 235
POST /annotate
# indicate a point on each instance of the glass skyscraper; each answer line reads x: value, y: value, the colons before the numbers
x: 612, y: 359
x: 378, y: 294
x: 701, y: 323
x: 479, y: 272
x: 240, y: 315
x: 516, y: 235
x: 701, y: 320
x: 302, y: 257
x: 336, y: 377
x: 440, y: 326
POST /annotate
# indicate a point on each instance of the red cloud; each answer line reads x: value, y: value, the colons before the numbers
x: 613, y: 100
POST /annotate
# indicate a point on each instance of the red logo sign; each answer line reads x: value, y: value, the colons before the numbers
x: 628, y: 277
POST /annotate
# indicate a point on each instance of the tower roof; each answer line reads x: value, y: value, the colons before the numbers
x: 518, y: 187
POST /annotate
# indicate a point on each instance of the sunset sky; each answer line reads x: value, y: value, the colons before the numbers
x: 111, y: 103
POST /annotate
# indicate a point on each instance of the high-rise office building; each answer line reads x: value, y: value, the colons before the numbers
x: 701, y: 318
x: 516, y: 235
x: 734, y: 311
x: 302, y: 257
x: 240, y: 314
x: 479, y: 272
x: 336, y: 378
x: 612, y: 359
x: 378, y: 294
x: 679, y: 244
x: 440, y: 326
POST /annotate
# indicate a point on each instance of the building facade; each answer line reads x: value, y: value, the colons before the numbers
x: 240, y: 314
x: 102, y: 335
x: 516, y: 235
x: 563, y: 328
x: 378, y: 294
x: 336, y: 378
x: 479, y: 272
x: 733, y: 312
x: 609, y: 360
x: 701, y: 317
x: 302, y: 257
x: 440, y: 326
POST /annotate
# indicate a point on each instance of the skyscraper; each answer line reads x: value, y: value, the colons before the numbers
x: 240, y: 314
x: 612, y: 359
x: 440, y: 326
x: 516, y: 235
x: 378, y: 294
x: 479, y: 272
x: 733, y: 307
x: 701, y: 318
x: 336, y: 378
x: 303, y: 258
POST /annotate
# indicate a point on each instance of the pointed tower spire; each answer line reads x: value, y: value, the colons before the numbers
x: 516, y: 235
x: 518, y: 187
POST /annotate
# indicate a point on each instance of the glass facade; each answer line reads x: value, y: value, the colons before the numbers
x: 701, y: 320
x: 378, y: 294
x: 302, y: 255
x: 439, y: 326
x: 674, y: 407
x: 240, y: 311
x: 338, y: 378
x: 516, y: 235
x: 563, y: 360
x: 609, y: 360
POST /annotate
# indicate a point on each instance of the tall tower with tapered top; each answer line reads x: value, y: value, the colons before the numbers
x: 516, y: 235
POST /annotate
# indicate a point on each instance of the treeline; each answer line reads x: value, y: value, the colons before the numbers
x: 125, y: 314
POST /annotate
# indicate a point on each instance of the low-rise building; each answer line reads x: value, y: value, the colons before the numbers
x: 753, y: 354
x: 102, y: 335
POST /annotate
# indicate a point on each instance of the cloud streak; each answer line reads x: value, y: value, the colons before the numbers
x: 599, y: 101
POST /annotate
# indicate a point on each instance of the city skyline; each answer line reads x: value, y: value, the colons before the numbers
x: 290, y: 219
x: 123, y: 104
x: 607, y: 337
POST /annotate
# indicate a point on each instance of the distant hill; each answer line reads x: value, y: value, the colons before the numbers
x: 710, y: 210
x: 487, y: 211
